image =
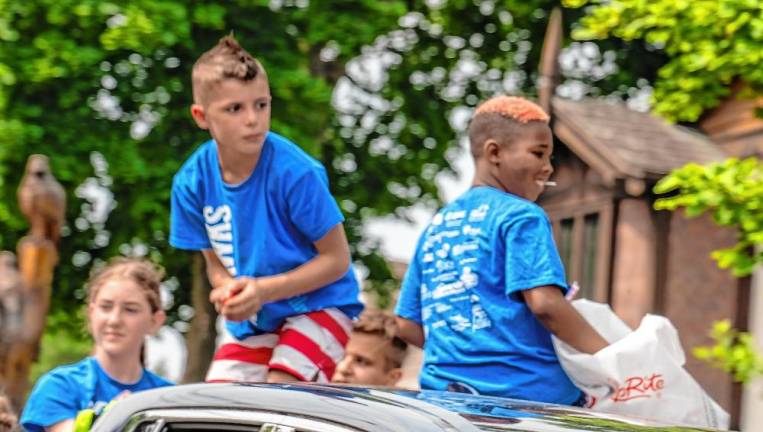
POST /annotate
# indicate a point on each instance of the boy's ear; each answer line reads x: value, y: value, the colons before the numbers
x: 393, y: 376
x: 491, y: 151
x: 199, y: 116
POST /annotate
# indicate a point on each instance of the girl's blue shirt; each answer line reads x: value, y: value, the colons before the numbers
x: 61, y: 393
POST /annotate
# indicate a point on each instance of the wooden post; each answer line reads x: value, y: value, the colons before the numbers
x: 549, y: 60
x: 43, y: 202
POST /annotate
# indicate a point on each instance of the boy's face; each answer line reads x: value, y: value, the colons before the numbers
x: 523, y: 165
x: 365, y: 362
x: 237, y: 115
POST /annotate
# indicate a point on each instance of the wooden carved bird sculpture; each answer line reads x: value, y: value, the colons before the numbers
x: 42, y: 199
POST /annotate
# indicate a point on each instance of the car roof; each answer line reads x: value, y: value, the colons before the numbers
x: 371, y: 409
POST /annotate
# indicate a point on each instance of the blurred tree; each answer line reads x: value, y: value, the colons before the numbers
x: 709, y: 44
x: 61, y: 346
x: 103, y: 89
x: 733, y: 351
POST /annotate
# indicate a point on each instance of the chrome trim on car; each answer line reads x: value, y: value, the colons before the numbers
x: 276, y: 422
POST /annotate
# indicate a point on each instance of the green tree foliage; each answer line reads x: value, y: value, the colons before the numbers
x: 446, y: 57
x: 733, y: 352
x: 732, y: 191
x: 60, y: 345
x: 104, y: 89
x: 709, y: 43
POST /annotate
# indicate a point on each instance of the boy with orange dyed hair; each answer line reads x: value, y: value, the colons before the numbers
x: 485, y: 289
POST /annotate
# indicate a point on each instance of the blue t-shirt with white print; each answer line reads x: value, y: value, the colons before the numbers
x: 464, y: 286
x: 66, y: 390
x: 264, y: 226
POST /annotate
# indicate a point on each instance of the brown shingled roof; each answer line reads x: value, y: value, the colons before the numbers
x: 621, y: 142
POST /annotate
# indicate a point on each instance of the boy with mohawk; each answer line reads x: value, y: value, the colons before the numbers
x: 260, y: 210
x: 485, y: 289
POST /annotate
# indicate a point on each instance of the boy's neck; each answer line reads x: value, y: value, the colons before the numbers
x: 481, y: 179
x: 236, y: 168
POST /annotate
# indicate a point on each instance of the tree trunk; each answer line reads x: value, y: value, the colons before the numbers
x: 200, y: 338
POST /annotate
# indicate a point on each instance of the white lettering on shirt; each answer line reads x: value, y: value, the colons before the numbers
x: 220, y: 233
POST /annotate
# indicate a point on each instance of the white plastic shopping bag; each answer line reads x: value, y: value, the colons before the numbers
x: 640, y: 373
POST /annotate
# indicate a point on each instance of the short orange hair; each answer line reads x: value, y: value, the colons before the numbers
x: 515, y: 108
x: 501, y: 118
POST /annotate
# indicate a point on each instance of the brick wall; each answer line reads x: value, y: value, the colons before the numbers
x: 698, y: 293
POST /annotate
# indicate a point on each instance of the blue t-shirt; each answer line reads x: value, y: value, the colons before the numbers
x: 464, y: 287
x: 61, y: 393
x: 264, y: 226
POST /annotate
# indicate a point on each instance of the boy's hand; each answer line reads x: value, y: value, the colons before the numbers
x: 220, y: 294
x: 244, y: 299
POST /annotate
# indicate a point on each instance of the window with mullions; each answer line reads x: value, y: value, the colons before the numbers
x: 579, y: 239
x: 565, y: 242
x: 590, y: 240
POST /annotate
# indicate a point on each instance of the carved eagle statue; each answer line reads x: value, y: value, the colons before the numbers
x: 42, y: 199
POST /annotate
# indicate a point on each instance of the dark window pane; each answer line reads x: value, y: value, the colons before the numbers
x: 565, y: 243
x: 590, y: 240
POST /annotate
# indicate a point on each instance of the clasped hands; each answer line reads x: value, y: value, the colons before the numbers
x: 237, y: 299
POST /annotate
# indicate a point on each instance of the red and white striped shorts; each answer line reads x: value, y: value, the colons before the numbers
x: 306, y: 346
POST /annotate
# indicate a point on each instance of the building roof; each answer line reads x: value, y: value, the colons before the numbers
x: 622, y: 143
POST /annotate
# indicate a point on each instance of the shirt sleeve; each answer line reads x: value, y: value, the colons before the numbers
x: 312, y: 208
x: 409, y: 300
x: 531, y: 256
x: 53, y: 399
x: 187, y: 230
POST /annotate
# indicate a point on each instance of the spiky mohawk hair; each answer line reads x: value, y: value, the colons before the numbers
x: 515, y: 108
x: 226, y: 60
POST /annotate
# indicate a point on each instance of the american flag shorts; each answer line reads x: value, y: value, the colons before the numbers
x: 306, y: 346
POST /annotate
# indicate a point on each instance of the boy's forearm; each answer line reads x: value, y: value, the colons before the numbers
x: 310, y: 276
x: 331, y: 263
x: 563, y: 320
x: 216, y: 272
x: 569, y: 326
x: 410, y: 331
